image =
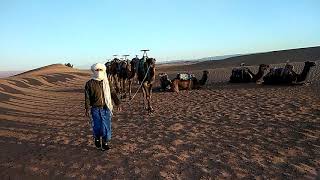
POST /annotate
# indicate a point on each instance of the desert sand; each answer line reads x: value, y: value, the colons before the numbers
x: 220, y: 131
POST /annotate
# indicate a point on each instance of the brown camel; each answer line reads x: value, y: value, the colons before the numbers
x: 245, y: 75
x: 126, y: 75
x: 193, y: 83
x: 287, y: 75
x: 113, y: 70
x: 146, y: 76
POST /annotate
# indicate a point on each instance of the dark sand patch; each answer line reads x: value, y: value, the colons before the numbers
x: 4, y: 97
x: 81, y: 74
x: 33, y: 81
x: 19, y: 83
x: 10, y: 90
x: 53, y: 78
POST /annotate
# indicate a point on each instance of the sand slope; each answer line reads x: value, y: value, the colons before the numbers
x: 220, y: 131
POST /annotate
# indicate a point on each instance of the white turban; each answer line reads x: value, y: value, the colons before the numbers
x: 99, y: 76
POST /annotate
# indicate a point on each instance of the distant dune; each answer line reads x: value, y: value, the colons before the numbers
x: 273, y: 57
x: 4, y: 74
x: 47, y: 70
x: 47, y: 75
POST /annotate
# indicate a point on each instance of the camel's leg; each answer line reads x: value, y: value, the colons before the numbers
x: 175, y: 87
x: 144, y: 90
x: 191, y: 86
x: 124, y: 88
x: 149, y: 89
x: 116, y: 83
x: 120, y: 87
x: 129, y: 83
x: 121, y: 81
x: 112, y: 81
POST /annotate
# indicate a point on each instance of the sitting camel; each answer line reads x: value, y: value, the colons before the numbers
x: 286, y: 75
x: 165, y: 82
x: 245, y: 75
x: 192, y: 82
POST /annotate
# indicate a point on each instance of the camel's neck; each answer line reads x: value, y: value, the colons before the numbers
x: 304, y: 74
x: 259, y: 74
x: 204, y: 79
x: 148, y: 73
x: 132, y: 68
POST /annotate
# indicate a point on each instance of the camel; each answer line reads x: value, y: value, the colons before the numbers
x: 146, y: 76
x: 126, y: 74
x: 113, y: 70
x: 245, y: 75
x: 165, y: 82
x: 108, y: 69
x: 192, y: 83
x: 287, y: 75
x: 134, y: 66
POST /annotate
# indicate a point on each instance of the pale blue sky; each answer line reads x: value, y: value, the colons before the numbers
x: 35, y: 33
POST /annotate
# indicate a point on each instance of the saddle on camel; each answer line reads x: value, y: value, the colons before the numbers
x: 243, y: 74
x: 283, y: 73
x: 188, y: 81
x: 287, y: 75
x: 240, y: 74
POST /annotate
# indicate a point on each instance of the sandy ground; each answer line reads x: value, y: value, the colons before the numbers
x: 221, y: 131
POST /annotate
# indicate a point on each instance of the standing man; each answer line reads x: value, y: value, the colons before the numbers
x: 98, y: 95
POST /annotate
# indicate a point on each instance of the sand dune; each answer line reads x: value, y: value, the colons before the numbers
x: 273, y: 57
x: 220, y: 131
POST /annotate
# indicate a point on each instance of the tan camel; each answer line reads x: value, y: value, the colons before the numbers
x: 193, y: 83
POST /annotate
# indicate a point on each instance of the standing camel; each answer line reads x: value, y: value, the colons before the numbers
x: 114, y: 69
x: 146, y: 76
x: 127, y: 73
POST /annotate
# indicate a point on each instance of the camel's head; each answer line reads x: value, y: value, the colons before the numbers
x: 107, y: 64
x: 163, y: 76
x: 115, y: 61
x: 264, y: 67
x: 123, y: 64
x: 310, y: 63
x: 133, y: 62
x: 151, y: 62
x: 135, y: 59
x: 289, y: 67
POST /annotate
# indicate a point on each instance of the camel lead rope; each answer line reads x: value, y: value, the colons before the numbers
x: 141, y: 84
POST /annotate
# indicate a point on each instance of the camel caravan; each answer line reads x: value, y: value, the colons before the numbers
x: 123, y: 72
x: 242, y: 74
x: 275, y: 76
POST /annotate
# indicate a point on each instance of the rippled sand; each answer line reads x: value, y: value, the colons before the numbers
x: 220, y: 131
